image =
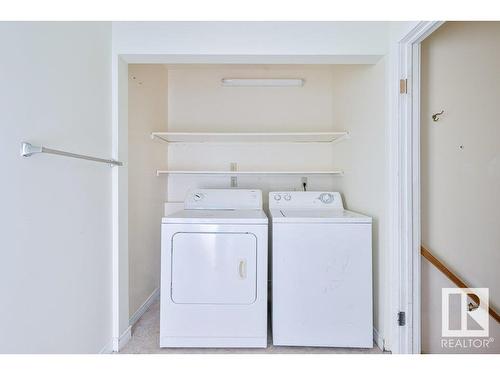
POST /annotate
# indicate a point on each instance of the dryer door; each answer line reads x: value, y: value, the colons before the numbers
x: 214, y: 268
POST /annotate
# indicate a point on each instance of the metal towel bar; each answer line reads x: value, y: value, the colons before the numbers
x: 27, y: 149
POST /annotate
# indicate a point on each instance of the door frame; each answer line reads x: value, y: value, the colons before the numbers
x: 404, y: 185
x: 405, y: 181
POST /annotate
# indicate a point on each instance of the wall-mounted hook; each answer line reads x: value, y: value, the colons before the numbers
x: 134, y: 78
x: 435, y: 116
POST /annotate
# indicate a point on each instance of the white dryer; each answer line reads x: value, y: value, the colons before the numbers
x: 321, y: 271
x: 214, y: 271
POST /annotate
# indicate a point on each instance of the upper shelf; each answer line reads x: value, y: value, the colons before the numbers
x: 316, y: 137
x: 238, y: 173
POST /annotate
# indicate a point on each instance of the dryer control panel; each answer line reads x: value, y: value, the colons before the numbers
x: 223, y: 199
x: 306, y: 199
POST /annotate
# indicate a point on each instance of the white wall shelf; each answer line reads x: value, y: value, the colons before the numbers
x: 316, y: 137
x: 235, y: 173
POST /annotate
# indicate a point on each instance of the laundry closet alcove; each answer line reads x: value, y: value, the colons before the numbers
x: 188, y: 130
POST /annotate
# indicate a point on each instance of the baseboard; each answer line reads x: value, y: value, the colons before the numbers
x: 120, y: 342
x: 144, y: 307
x: 379, y: 341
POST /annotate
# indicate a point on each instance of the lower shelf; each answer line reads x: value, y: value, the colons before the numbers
x: 234, y: 173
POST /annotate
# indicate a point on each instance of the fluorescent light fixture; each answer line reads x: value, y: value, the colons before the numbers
x: 263, y: 82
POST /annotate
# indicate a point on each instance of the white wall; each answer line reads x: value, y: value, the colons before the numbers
x: 119, y: 109
x: 147, y: 113
x: 346, y: 41
x: 55, y: 243
x: 461, y: 154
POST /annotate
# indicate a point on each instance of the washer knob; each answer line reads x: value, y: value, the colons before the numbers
x: 326, y: 198
x: 288, y: 197
x: 277, y: 197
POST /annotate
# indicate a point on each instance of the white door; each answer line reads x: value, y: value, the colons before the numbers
x: 214, y: 268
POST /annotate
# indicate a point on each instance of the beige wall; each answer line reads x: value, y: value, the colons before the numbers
x: 198, y: 102
x: 461, y: 158
x: 358, y: 103
x: 147, y: 113
x: 433, y: 281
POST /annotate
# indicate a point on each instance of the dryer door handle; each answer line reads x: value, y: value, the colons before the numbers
x: 242, y: 269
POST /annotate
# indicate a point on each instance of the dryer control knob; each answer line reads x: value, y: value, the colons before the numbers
x: 288, y: 197
x: 198, y: 197
x: 277, y: 197
x: 326, y: 198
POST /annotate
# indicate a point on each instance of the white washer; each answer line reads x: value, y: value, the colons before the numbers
x: 214, y: 271
x: 321, y: 271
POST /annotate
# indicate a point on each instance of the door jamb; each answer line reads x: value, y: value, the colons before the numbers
x: 406, y: 201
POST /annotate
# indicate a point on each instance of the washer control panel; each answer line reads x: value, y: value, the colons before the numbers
x: 305, y: 199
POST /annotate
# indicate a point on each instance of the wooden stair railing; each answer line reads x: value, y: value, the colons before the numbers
x: 454, y: 278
